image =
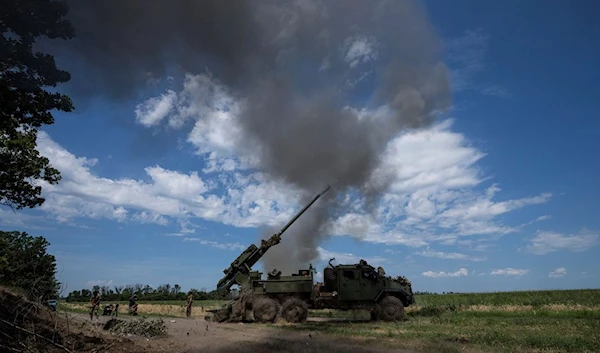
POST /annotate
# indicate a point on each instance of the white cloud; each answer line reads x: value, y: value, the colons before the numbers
x: 212, y: 108
x: 318, y: 276
x: 21, y: 220
x: 150, y: 217
x: 546, y: 242
x: 449, y: 256
x: 100, y: 283
x: 154, y: 110
x: 360, y: 49
x: 214, y: 244
x: 459, y: 273
x: 250, y: 200
x: 434, y: 196
x: 496, y: 91
x: 187, y: 228
x: 509, y: 272
x: 559, y: 272
x: 354, y: 224
x: 174, y: 184
x: 349, y: 258
x: 466, y: 59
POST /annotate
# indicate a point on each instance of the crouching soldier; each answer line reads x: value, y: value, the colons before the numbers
x: 108, y: 309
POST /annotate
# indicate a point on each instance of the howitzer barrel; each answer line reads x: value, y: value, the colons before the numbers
x: 239, y: 269
x: 304, y: 209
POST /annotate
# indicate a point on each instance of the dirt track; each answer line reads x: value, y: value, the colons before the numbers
x: 197, y: 335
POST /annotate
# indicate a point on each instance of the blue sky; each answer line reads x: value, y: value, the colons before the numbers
x: 501, y: 193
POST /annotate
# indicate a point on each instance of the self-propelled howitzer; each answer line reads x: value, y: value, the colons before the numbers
x: 239, y: 270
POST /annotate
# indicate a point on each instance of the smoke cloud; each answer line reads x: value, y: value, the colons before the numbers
x: 298, y: 69
x: 128, y: 42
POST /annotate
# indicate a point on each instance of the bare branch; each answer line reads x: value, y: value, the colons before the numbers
x: 36, y: 335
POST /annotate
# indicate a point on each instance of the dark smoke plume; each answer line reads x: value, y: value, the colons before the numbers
x: 298, y: 66
x: 128, y: 40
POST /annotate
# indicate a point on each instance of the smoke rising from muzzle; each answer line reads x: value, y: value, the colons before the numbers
x: 298, y: 69
x: 130, y: 41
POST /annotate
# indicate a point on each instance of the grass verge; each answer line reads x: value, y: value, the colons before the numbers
x: 435, y: 329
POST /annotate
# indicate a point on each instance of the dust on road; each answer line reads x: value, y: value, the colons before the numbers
x: 197, y: 335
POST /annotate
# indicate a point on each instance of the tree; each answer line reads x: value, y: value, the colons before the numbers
x: 24, y: 105
x: 25, y: 264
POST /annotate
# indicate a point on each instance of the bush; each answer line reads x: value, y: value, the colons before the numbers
x: 24, y: 264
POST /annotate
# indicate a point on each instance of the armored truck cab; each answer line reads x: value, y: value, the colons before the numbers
x: 361, y: 286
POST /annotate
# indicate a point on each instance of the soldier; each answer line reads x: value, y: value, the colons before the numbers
x: 116, y: 311
x: 95, y: 304
x: 188, y: 307
x: 133, y: 305
x: 381, y: 271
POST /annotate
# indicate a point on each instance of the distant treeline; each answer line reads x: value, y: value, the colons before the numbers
x: 144, y: 293
x: 147, y: 293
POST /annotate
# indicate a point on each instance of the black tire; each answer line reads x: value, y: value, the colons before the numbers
x: 265, y: 310
x: 390, y: 309
x: 329, y: 274
x: 294, y: 310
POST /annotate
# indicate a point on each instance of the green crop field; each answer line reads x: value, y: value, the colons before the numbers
x: 528, y: 321
x: 534, y: 298
x: 167, y: 308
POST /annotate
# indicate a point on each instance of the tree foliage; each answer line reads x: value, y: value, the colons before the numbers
x: 144, y: 293
x: 25, y: 264
x: 24, y: 104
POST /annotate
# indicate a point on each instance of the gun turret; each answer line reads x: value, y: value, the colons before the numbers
x: 239, y: 270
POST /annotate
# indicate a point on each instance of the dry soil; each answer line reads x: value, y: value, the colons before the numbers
x: 198, y: 335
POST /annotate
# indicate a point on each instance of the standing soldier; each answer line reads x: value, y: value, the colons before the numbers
x: 133, y: 305
x: 190, y: 300
x: 95, y: 304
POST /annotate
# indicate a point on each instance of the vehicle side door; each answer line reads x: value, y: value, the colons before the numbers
x: 370, y: 284
x: 349, y: 285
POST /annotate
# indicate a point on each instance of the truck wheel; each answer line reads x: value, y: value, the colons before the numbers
x: 265, y: 310
x: 390, y: 309
x: 294, y: 310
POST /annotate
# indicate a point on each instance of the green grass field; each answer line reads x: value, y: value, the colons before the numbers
x: 588, y: 297
x: 528, y: 321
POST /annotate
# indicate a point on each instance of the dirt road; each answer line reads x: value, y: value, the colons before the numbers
x: 197, y: 335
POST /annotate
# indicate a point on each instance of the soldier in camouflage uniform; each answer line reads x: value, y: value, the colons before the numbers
x: 381, y: 271
x: 188, y: 307
x: 133, y: 304
x: 95, y: 304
